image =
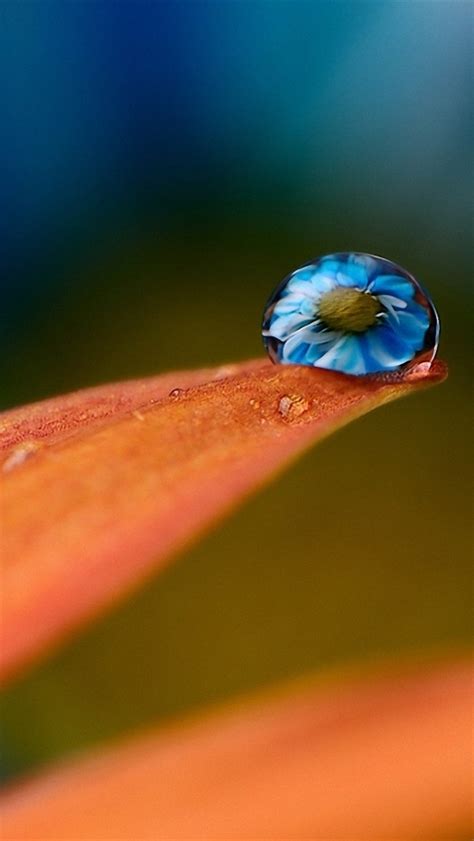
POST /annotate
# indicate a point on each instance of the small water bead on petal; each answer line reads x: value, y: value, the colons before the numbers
x: 351, y: 312
x: 292, y: 406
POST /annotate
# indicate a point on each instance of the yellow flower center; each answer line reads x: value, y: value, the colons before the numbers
x: 348, y: 309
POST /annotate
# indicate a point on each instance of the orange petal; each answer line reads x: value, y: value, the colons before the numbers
x: 386, y: 759
x: 100, y: 487
x: 61, y: 417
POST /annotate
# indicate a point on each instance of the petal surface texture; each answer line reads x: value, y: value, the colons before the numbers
x: 100, y: 488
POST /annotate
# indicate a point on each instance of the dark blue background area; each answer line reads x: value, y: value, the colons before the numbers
x: 122, y: 116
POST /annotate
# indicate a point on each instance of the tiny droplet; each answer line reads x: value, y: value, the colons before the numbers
x: 291, y: 406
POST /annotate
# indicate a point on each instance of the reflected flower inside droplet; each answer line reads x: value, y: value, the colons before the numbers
x: 351, y: 312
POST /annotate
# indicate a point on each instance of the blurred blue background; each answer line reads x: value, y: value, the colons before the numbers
x: 165, y: 164
x: 214, y: 146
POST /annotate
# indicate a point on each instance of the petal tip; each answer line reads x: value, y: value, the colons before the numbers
x: 429, y: 372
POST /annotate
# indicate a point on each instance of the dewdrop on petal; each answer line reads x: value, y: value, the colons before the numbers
x: 351, y: 312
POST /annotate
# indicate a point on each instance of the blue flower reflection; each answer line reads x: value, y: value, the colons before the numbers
x: 350, y: 312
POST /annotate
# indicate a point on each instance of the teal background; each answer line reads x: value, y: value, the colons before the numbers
x: 165, y: 165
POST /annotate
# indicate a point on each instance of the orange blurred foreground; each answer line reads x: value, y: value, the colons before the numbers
x: 386, y: 759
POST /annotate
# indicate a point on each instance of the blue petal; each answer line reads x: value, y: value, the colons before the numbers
x: 346, y: 273
x: 387, y: 348
x: 411, y: 323
x: 352, y: 359
x: 316, y: 349
x: 295, y: 355
x: 284, y: 326
x: 371, y: 364
x: 305, y: 273
x: 297, y: 286
x: 294, y: 303
x: 371, y: 265
x: 313, y: 337
x: 318, y: 283
x: 412, y: 329
x: 344, y: 355
x: 420, y: 313
x: 347, y: 279
x: 395, y: 285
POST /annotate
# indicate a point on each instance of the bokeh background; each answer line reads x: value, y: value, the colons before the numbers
x: 165, y: 164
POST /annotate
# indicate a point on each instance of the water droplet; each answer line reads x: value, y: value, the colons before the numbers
x: 291, y: 406
x: 351, y: 312
x: 20, y: 454
x: 177, y: 392
x: 418, y: 372
x: 255, y: 404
